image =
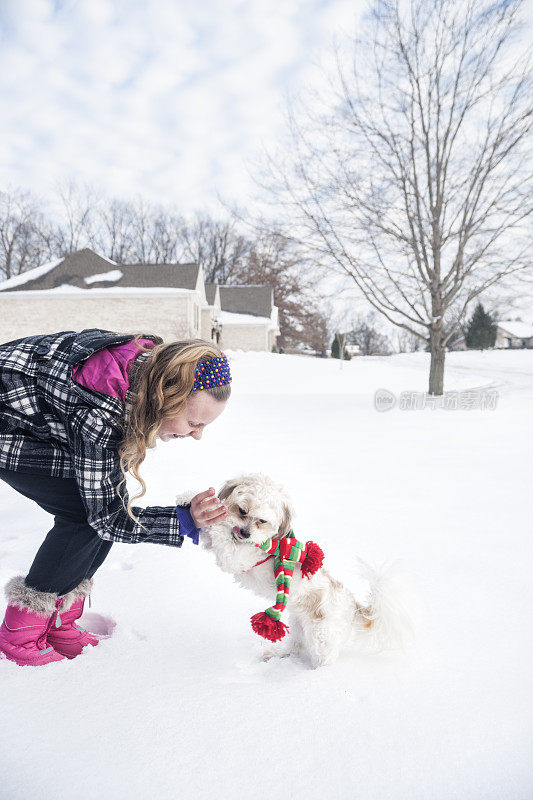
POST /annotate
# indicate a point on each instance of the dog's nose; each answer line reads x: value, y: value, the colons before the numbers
x: 244, y: 534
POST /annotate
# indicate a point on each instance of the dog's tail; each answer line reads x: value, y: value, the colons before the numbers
x: 385, y: 620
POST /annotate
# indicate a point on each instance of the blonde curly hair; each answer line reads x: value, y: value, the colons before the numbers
x: 160, y: 385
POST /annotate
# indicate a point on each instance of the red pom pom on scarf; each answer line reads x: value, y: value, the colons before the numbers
x: 313, y: 560
x: 267, y: 627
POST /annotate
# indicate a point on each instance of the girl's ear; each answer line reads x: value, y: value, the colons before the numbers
x: 287, y: 513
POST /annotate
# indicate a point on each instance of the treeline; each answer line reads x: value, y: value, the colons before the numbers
x: 138, y: 232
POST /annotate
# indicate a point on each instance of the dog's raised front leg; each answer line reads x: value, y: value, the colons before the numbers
x: 290, y: 645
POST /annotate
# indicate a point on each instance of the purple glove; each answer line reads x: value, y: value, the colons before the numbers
x: 187, y: 526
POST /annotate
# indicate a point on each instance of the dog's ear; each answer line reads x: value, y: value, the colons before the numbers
x: 286, y: 518
x: 227, y: 489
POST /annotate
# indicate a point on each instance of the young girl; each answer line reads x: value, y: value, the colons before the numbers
x: 77, y: 411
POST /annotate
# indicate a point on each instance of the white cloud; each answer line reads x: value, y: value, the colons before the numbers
x: 165, y: 99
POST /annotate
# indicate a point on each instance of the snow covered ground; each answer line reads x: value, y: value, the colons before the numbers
x: 178, y: 703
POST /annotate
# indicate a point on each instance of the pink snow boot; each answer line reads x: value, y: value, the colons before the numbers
x: 28, y: 617
x: 64, y: 635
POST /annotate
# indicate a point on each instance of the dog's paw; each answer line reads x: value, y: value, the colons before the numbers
x: 268, y: 655
x: 280, y: 650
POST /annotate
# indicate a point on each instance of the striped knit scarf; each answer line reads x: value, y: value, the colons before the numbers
x: 287, y: 552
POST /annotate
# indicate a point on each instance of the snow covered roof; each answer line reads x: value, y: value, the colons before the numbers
x: 88, y: 270
x: 230, y: 318
x: 522, y: 330
x: 30, y: 275
x: 112, y: 275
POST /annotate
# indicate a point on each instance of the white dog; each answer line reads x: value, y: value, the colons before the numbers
x: 323, y: 614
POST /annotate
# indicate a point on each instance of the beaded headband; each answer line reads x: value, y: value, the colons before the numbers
x: 214, y: 372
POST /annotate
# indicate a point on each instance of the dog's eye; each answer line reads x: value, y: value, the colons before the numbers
x: 241, y: 511
x: 262, y: 521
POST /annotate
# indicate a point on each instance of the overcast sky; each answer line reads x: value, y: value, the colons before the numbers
x: 168, y: 99
x: 171, y: 100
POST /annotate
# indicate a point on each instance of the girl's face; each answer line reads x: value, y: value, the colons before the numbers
x: 201, y: 410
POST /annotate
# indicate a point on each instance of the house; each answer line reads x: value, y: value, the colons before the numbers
x: 86, y: 290
x: 457, y: 342
x: 510, y: 334
x: 352, y: 350
x: 248, y: 317
x: 514, y: 334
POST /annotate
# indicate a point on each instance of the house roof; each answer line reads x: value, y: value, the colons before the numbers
x: 522, y: 330
x: 87, y: 270
x: 24, y: 277
x: 210, y: 292
x: 255, y: 300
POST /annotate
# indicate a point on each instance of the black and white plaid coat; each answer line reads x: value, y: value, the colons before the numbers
x: 50, y: 425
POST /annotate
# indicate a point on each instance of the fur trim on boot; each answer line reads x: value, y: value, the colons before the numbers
x: 26, y: 598
x: 22, y: 596
x: 81, y: 591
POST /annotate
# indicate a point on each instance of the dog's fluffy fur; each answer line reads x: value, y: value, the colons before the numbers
x: 323, y: 614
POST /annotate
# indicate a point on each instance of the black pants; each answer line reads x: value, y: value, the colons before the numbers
x: 72, y: 550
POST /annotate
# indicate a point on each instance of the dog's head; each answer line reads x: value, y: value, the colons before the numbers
x: 258, y: 508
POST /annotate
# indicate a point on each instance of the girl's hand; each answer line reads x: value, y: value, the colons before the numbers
x: 206, y: 509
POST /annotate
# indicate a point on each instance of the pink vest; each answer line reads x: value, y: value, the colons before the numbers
x: 106, y: 370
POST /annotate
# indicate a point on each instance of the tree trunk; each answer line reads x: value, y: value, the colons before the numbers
x: 436, y: 369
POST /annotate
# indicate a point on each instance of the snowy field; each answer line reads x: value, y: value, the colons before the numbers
x: 178, y: 703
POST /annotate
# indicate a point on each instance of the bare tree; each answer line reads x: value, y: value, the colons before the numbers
x: 137, y: 232
x: 124, y: 231
x: 78, y: 208
x: 413, y: 181
x: 311, y: 329
x: 275, y: 261
x: 113, y: 232
x: 217, y: 246
x: 407, y: 342
x: 167, y: 237
x: 142, y: 233
x: 22, y: 226
x: 365, y: 333
x: 315, y: 331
